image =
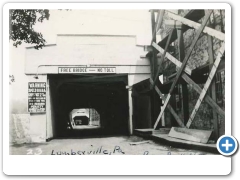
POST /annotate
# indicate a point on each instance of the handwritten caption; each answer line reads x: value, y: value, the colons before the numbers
x: 101, y: 151
x: 36, y: 151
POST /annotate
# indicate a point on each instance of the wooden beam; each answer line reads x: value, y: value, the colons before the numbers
x: 154, y: 101
x: 184, y: 85
x: 173, y: 24
x: 154, y: 55
x: 158, y: 23
x: 199, y: 31
x: 160, y: 20
x: 213, y: 86
x: 195, y: 25
x: 148, y: 48
x: 193, y: 15
x: 161, y: 60
x: 175, y: 115
x: 151, y: 67
x: 207, y: 98
x: 179, y: 73
x: 199, y: 73
x: 172, y: 59
x: 207, y: 84
x: 196, y: 135
x: 153, y: 26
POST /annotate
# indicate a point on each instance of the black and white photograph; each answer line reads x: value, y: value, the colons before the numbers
x: 116, y: 82
x: 131, y: 79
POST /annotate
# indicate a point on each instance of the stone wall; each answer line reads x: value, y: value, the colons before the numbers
x: 199, y: 57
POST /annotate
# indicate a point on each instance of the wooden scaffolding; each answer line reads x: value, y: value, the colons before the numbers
x: 179, y: 25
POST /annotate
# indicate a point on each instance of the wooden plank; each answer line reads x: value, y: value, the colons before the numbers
x: 138, y: 143
x: 153, y: 26
x: 207, y: 84
x: 130, y: 111
x: 175, y: 115
x: 162, y: 110
x: 195, y: 135
x: 173, y: 24
x: 199, y: 31
x: 179, y: 73
x: 207, y: 30
x: 158, y: 21
x: 171, y: 58
x: 148, y: 48
x: 154, y: 55
x: 207, y: 98
x: 149, y: 131
x: 161, y: 131
x: 151, y: 67
x: 179, y: 121
x: 213, y: 86
x: 193, y: 15
x: 198, y: 73
x: 154, y: 101
x: 184, y: 85
x: 161, y: 60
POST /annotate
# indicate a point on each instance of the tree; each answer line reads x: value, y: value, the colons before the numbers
x: 21, y: 23
x: 11, y: 79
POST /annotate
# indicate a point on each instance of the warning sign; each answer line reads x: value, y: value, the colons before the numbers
x: 36, y: 97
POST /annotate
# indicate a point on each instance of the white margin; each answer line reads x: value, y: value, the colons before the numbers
x: 115, y: 165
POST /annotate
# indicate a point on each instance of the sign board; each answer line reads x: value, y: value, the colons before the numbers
x: 84, y: 70
x: 36, y: 97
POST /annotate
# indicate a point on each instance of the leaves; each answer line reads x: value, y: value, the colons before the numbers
x: 11, y: 79
x: 21, y: 24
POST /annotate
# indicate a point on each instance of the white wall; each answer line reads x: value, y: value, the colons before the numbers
x: 83, y: 50
x: 38, y: 127
x: 88, y: 50
x: 133, y: 78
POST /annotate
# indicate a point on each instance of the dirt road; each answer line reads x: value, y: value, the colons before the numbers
x: 121, y: 145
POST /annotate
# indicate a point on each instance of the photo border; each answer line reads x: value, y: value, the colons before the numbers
x: 115, y: 165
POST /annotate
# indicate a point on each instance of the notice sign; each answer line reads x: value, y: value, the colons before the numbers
x: 83, y: 70
x: 36, y: 97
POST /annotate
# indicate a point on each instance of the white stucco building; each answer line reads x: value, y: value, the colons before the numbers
x: 78, y: 62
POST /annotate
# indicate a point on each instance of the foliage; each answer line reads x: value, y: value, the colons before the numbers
x: 11, y: 79
x: 21, y: 23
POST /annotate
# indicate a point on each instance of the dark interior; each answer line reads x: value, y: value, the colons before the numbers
x: 105, y: 93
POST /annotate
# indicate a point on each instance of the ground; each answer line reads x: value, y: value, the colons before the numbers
x: 120, y: 145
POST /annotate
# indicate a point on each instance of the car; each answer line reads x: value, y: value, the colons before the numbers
x: 81, y: 120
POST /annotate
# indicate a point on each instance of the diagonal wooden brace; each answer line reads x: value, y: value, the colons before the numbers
x: 208, y: 30
x: 179, y: 73
x: 171, y: 58
x: 175, y: 115
x: 162, y: 58
x: 207, y: 98
x: 207, y: 84
x: 158, y: 22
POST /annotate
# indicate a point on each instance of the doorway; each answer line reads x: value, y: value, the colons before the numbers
x: 86, y: 96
